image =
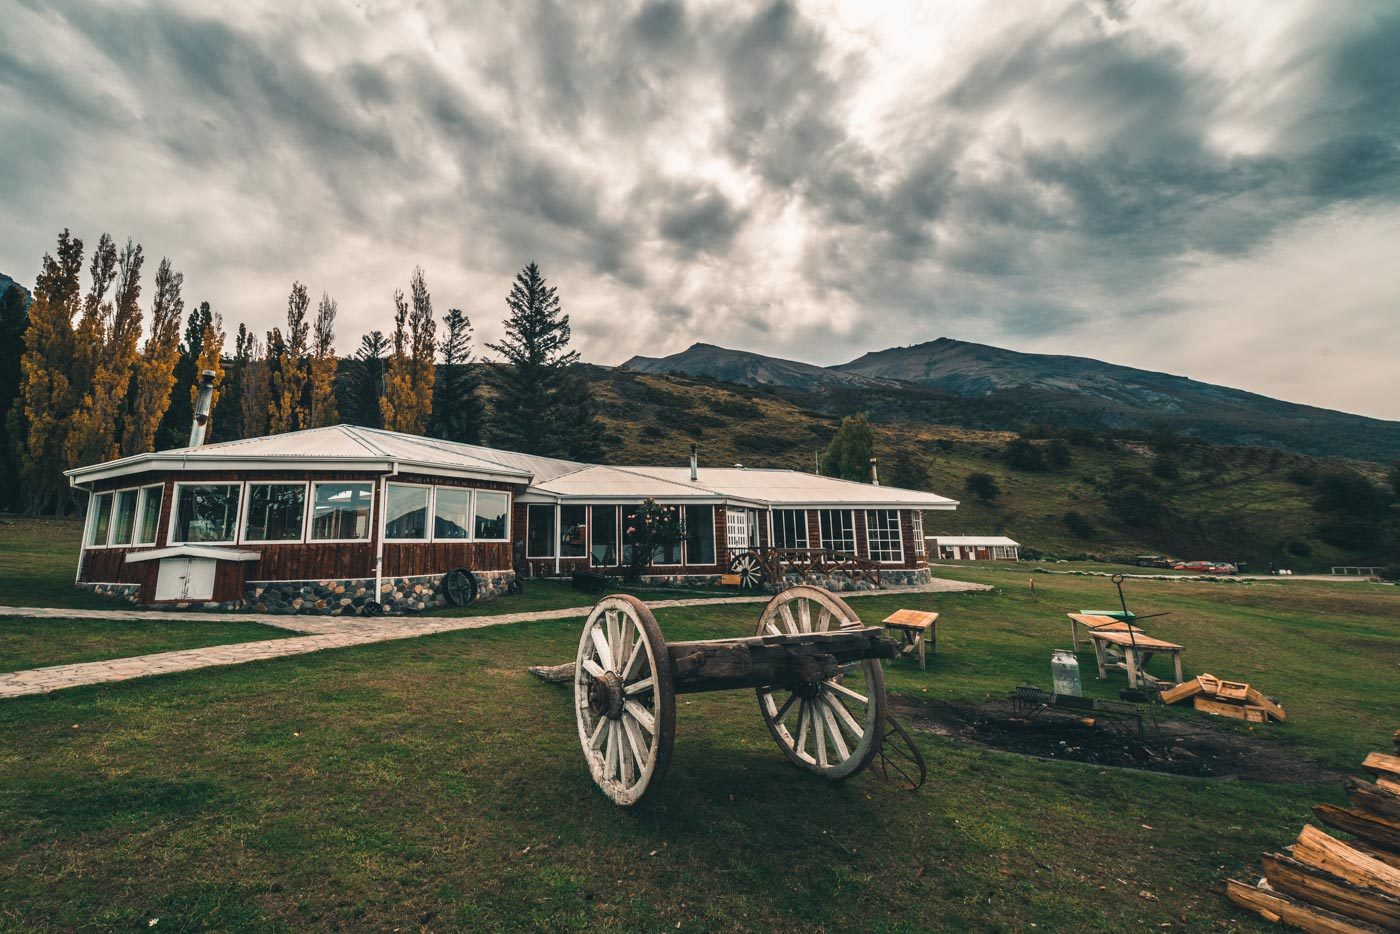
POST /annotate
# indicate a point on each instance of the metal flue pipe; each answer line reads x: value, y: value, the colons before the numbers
x: 694, y: 462
x: 201, y: 408
x: 875, y: 471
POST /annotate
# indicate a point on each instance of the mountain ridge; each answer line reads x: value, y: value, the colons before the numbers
x: 989, y: 386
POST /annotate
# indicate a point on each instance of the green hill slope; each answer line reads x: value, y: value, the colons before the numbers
x: 1191, y: 500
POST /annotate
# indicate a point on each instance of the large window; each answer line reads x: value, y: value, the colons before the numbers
x: 666, y: 553
x: 148, y: 527
x: 603, y: 549
x: 838, y: 528
x: 699, y: 535
x: 539, y: 531
x: 123, y: 517
x: 340, y: 511
x: 452, y: 513
x: 276, y: 512
x: 206, y: 512
x: 101, y: 520
x: 406, y: 513
x: 882, y: 531
x: 492, y: 516
x: 789, y: 528
x: 572, y: 525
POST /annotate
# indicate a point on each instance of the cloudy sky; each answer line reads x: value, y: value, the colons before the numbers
x: 1211, y: 189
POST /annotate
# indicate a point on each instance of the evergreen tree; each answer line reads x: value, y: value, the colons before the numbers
x: 175, y: 426
x: 848, y: 456
x: 579, y: 428
x: 287, y: 360
x: 533, y: 384
x: 321, y: 408
x: 365, y: 378
x: 228, y: 418
x: 14, y: 322
x: 457, y: 406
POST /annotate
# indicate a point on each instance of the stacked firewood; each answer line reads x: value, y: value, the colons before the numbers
x: 1322, y: 883
x: 1222, y: 698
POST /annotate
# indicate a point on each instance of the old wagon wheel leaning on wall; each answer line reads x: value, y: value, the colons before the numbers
x: 833, y: 727
x: 459, y: 585
x: 624, y: 698
x: 749, y: 566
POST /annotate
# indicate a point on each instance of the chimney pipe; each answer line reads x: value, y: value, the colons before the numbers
x: 694, y: 462
x: 201, y: 408
x: 875, y: 471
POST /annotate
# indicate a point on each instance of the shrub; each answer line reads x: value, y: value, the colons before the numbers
x: 1057, y: 455
x: 983, y: 486
x: 1391, y: 573
x: 1078, y: 524
x: 1020, y: 454
x: 1300, y: 549
x: 1165, y: 468
x: 1302, y: 476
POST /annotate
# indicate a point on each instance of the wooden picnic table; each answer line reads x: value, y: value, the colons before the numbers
x: 1137, y: 649
x: 914, y: 627
x: 1091, y: 622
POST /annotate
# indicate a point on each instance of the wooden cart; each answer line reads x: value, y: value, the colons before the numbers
x: 814, y: 665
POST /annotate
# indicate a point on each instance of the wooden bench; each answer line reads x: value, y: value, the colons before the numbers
x: 1093, y: 621
x: 1131, y: 651
x: 914, y: 626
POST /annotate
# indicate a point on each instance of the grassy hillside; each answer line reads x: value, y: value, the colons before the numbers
x: 1221, y: 502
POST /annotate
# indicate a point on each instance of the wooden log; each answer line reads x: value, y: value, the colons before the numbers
x: 1316, y: 887
x: 1389, y: 784
x: 1373, y: 800
x: 1276, y: 906
x: 1219, y: 708
x: 1374, y: 830
x: 1380, y: 854
x: 1259, y: 700
x: 1341, y: 859
x: 1378, y: 763
x: 760, y: 661
x: 553, y: 674
x: 1183, y: 691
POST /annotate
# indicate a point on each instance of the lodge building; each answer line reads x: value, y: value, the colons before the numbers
x: 357, y: 520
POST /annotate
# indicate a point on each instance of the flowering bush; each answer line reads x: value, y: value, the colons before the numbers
x: 652, y: 529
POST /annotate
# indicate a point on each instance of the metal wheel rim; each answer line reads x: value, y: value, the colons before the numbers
x: 622, y: 644
x: 460, y: 585
x: 839, y: 729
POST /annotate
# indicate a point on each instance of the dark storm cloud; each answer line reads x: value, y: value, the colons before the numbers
x: 1034, y: 174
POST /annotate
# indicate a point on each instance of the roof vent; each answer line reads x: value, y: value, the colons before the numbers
x: 201, y: 408
x: 694, y: 462
x: 875, y: 471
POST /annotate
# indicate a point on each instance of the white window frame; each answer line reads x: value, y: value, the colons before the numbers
x: 145, y: 493
x: 898, y: 536
x: 916, y: 526
x: 90, y: 526
x: 245, y: 506
x: 680, y: 546
x: 175, y: 511
x: 429, y: 524
x: 821, y: 536
x: 509, y: 504
x: 311, y: 513
x: 780, y: 517
x: 617, y: 531
x: 112, y: 520
x: 685, y: 539
x: 559, y: 532
x: 432, y: 525
x: 737, y: 527
x: 553, y: 509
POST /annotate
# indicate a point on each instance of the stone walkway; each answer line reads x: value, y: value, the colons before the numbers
x: 320, y: 632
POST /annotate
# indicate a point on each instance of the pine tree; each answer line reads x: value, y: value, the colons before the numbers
x: 321, y: 410
x: 155, y: 372
x: 848, y: 456
x: 286, y: 355
x: 175, y: 426
x: 457, y: 406
x: 580, y: 430
x: 366, y: 381
x: 533, y: 382
x: 14, y: 322
x: 37, y: 423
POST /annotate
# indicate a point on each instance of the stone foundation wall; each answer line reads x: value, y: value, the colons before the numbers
x: 833, y: 582
x: 348, y: 597
x: 128, y: 592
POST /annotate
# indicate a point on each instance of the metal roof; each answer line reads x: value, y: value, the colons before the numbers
x: 348, y: 447
x: 975, y: 540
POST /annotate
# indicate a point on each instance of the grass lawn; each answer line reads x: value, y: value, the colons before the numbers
x: 35, y: 643
x: 432, y: 783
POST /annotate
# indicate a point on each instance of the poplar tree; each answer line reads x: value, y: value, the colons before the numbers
x: 407, y: 404
x: 155, y: 372
x: 287, y: 361
x: 255, y: 388
x: 396, y: 404
x: 45, y: 392
x: 96, y: 426
x: 14, y: 321
x: 533, y: 386
x: 321, y: 410
x: 457, y: 403
x: 211, y: 357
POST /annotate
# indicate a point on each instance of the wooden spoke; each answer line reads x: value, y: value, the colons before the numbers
x: 844, y: 691
x: 803, y: 721
x: 818, y: 729
x: 635, y: 741
x: 804, y: 615
x: 634, y: 660
x: 600, y: 733
x: 844, y: 715
x: 637, y: 687
x: 614, y: 636
x: 771, y: 629
x: 641, y: 715
x: 786, y: 613
x: 832, y: 730
x: 600, y: 642
x: 782, y: 711
x: 824, y: 620
x: 593, y: 668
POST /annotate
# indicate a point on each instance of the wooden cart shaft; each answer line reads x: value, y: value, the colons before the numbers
x: 764, y: 661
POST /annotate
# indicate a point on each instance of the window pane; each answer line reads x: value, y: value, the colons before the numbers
x: 101, y: 519
x: 603, y: 523
x: 341, y: 511
x: 838, y: 530
x: 206, y: 513
x: 737, y: 528
x: 407, y: 515
x: 882, y: 530
x: 150, y: 515
x: 452, y: 513
x: 539, y: 532
x: 276, y: 512
x: 491, y: 509
x: 700, y: 534
x: 667, y: 554
x: 123, y: 517
x: 790, y: 528
x: 916, y: 522
x: 572, y: 521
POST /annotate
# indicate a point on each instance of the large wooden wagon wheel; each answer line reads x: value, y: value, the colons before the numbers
x: 750, y: 570
x: 460, y: 587
x: 833, y: 727
x: 624, y: 698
